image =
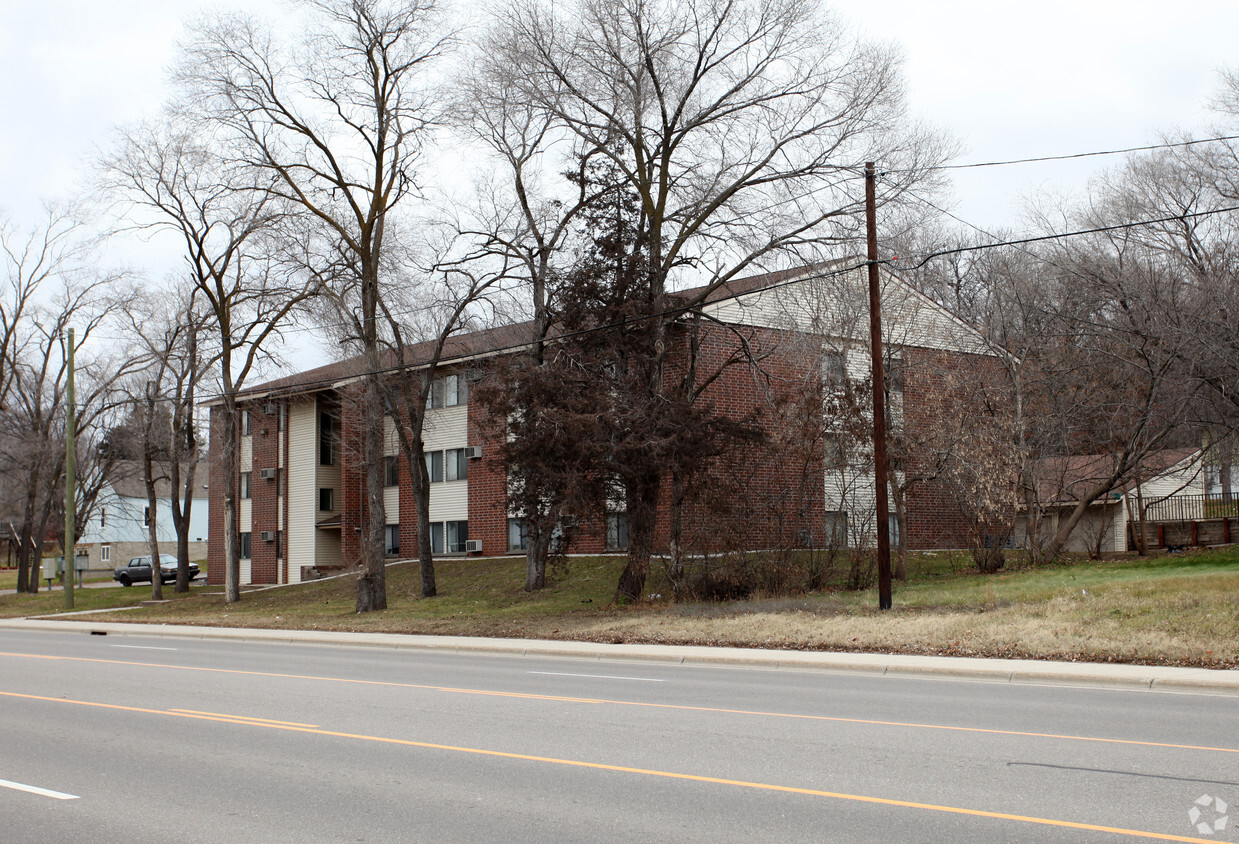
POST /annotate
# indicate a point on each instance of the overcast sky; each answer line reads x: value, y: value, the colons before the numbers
x: 1008, y: 80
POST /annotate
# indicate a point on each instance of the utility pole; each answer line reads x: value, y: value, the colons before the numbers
x: 879, y: 390
x: 70, y: 481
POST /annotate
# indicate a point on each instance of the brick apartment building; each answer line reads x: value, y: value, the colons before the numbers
x: 301, y: 488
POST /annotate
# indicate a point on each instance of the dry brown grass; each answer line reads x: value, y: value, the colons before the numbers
x: 1176, y: 611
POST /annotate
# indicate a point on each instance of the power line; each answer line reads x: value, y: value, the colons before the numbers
x: 1061, y: 235
x: 1069, y: 156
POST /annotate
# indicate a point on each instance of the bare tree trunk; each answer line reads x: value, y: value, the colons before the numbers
x: 152, y: 522
x: 642, y: 500
x: 538, y: 546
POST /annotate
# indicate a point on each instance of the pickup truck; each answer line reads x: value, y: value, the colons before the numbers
x: 139, y: 570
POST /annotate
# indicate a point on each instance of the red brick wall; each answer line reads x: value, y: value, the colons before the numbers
x: 264, y: 440
x: 768, y: 491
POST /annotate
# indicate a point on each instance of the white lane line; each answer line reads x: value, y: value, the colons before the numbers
x: 144, y: 648
x: 34, y: 789
x: 597, y: 676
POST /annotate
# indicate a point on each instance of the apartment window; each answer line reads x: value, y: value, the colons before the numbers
x: 517, y: 538
x: 279, y: 544
x: 834, y: 368
x: 457, y: 465
x: 449, y: 391
x: 246, y: 423
x: 245, y: 546
x: 103, y: 517
x: 279, y: 483
x: 246, y: 484
x: 326, y: 439
x: 617, y: 531
x: 837, y: 528
x: 391, y: 540
x: 449, y: 465
x: 434, y: 466
x: 146, y: 516
x: 894, y: 373
x: 391, y: 474
x: 448, y: 537
x: 105, y: 553
x: 326, y: 499
x: 832, y: 455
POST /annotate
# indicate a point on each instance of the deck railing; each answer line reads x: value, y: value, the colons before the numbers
x: 1192, y: 508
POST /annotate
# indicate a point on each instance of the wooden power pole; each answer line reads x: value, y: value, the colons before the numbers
x: 70, y: 481
x: 879, y: 391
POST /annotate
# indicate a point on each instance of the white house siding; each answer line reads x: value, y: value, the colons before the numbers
x: 391, y: 504
x: 120, y: 522
x: 301, y: 487
x: 445, y: 428
x: 838, y: 306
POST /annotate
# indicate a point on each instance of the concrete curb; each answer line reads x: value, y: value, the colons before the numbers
x: 1146, y: 677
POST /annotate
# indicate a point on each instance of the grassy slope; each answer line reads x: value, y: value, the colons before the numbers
x: 1182, y: 610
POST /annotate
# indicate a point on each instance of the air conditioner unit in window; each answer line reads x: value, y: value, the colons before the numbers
x: 266, y: 474
x: 269, y: 408
x: 473, y: 546
x: 473, y: 452
x: 268, y: 536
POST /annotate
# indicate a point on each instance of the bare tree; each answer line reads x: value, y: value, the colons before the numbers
x: 737, y: 126
x: 173, y: 178
x: 164, y: 402
x: 338, y: 130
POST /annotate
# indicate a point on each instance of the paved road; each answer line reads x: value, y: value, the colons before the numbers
x: 160, y: 739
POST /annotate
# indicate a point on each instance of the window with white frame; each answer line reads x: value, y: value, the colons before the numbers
x: 448, y: 391
x: 834, y: 368
x: 518, y: 540
x: 837, y: 528
x: 247, y: 484
x: 105, y: 553
x: 391, y: 540
x: 245, y: 546
x: 617, y: 531
x: 832, y: 451
x: 449, y: 465
x: 448, y: 537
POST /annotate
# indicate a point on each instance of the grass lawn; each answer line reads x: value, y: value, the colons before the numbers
x: 1179, y: 610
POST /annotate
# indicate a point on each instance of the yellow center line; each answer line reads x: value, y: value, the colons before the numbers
x: 244, y: 718
x: 642, y: 704
x: 649, y: 772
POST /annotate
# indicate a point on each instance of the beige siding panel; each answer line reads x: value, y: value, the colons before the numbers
x: 245, y: 572
x: 327, y: 552
x: 246, y: 514
x: 391, y: 504
x: 301, y: 487
x: 391, y: 443
x: 447, y: 427
x: 247, y: 453
x: 449, y: 501
x: 839, y: 307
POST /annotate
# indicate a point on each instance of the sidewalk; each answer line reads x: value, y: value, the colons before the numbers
x: 1147, y: 677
